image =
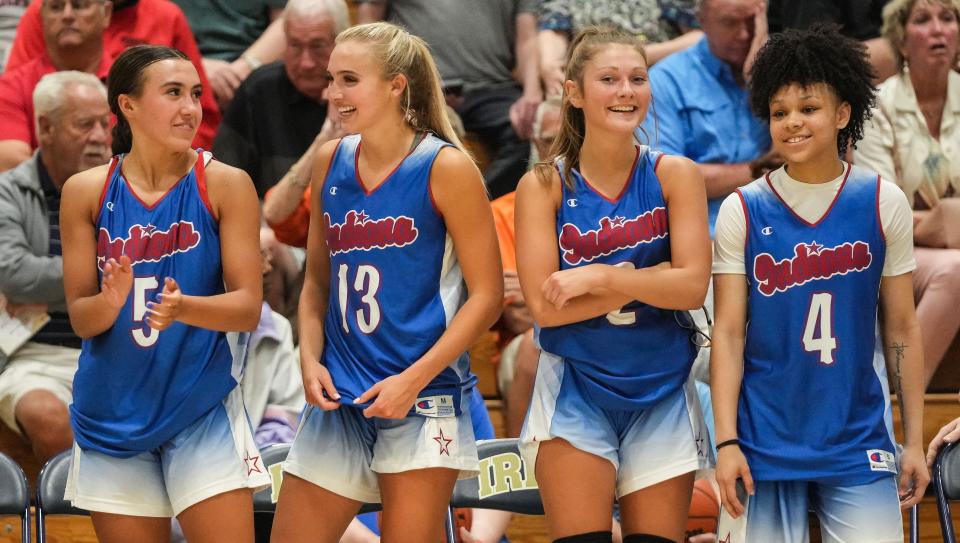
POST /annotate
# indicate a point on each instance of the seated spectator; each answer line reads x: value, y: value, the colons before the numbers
x: 666, y: 26
x: 700, y: 106
x: 914, y: 140
x: 277, y: 112
x: 133, y: 22
x: 74, y: 41
x: 10, y: 13
x: 72, y: 124
x: 235, y: 38
x: 476, y: 56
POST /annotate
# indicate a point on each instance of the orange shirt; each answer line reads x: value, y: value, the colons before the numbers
x: 293, y: 229
x: 503, y: 219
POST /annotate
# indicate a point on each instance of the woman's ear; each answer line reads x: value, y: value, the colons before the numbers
x: 843, y: 115
x: 398, y: 84
x: 125, y: 104
x: 572, y: 91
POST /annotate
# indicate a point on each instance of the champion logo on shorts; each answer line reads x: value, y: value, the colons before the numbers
x: 251, y: 462
x: 881, y: 460
x: 444, y: 443
x: 435, y: 406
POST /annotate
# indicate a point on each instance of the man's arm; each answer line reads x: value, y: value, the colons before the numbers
x: 24, y: 276
x: 723, y: 179
x: 371, y: 11
x: 524, y: 110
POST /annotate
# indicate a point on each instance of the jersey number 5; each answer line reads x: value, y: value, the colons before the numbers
x: 367, y: 281
x: 821, y: 311
x: 142, y: 287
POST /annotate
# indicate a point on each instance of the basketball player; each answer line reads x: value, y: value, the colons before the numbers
x: 400, y: 221
x: 805, y: 256
x: 157, y: 248
x: 612, y: 413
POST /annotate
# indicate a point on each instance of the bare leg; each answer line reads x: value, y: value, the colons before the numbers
x: 660, y: 509
x: 936, y: 287
x: 45, y: 421
x: 309, y: 513
x: 220, y: 518
x: 415, y: 504
x: 112, y: 528
x: 577, y: 489
x: 521, y: 390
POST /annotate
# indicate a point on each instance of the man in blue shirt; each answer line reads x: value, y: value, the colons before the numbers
x: 700, y: 108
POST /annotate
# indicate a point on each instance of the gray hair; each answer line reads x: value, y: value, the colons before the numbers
x: 335, y: 9
x: 49, y: 93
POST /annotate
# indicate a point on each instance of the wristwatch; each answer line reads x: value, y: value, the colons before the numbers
x: 251, y: 61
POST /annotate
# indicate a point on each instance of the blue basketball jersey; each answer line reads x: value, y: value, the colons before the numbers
x: 395, y: 283
x: 137, y: 388
x: 812, y: 401
x: 631, y: 358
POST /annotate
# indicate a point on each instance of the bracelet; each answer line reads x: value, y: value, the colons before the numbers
x: 252, y: 61
x: 733, y: 441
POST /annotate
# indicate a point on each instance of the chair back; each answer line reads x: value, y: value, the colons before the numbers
x: 946, y: 486
x: 504, y: 483
x: 14, y: 494
x: 50, y: 488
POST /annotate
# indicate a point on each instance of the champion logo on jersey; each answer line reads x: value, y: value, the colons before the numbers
x: 359, y: 232
x: 146, y: 243
x: 881, y: 460
x: 811, y: 261
x: 614, y: 234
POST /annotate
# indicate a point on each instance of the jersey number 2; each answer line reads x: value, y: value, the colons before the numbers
x: 367, y: 281
x: 821, y: 311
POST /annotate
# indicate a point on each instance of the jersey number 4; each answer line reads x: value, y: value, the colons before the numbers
x: 820, y: 312
x: 367, y: 282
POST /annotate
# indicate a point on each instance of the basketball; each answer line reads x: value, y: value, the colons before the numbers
x: 704, y: 509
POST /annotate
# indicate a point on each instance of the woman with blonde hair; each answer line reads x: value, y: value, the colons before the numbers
x: 914, y: 141
x: 402, y: 276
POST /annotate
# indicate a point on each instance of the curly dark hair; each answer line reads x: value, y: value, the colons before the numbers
x: 808, y: 57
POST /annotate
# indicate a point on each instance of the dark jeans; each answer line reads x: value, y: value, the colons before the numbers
x: 486, y: 113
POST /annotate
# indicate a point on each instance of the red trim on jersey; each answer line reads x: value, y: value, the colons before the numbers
x: 356, y: 166
x: 150, y: 207
x: 626, y: 183
x: 746, y: 229
x: 825, y: 213
x: 200, y: 167
x: 114, y: 162
x: 326, y: 174
x: 656, y: 164
x: 879, y: 217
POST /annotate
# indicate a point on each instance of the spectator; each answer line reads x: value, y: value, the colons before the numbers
x: 74, y: 41
x: 914, y: 140
x: 72, y: 119
x: 133, y: 22
x: 235, y: 38
x: 279, y: 109
x: 10, y: 13
x: 477, y: 75
x: 700, y: 106
x: 665, y: 26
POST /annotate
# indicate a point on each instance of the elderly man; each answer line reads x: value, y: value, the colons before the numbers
x: 72, y: 123
x: 700, y: 106
x: 278, y: 111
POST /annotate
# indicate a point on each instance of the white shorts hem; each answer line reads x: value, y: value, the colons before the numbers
x: 329, y: 483
x: 120, y: 508
x: 212, y: 490
x: 467, y: 469
x: 649, y: 479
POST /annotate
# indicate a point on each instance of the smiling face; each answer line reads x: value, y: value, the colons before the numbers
x: 614, y: 94
x: 359, y: 89
x: 804, y: 122
x: 167, y: 109
x: 930, y: 36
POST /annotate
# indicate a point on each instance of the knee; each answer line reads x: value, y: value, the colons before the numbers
x: 44, y: 417
x: 947, y: 272
x: 528, y: 356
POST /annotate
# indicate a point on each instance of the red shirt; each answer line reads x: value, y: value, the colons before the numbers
x: 147, y: 21
x: 16, y: 97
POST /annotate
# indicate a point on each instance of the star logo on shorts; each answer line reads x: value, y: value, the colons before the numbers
x: 726, y: 539
x: 251, y: 462
x: 444, y: 443
x: 699, y: 441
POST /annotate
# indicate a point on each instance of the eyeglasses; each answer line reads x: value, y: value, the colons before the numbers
x: 58, y: 6
x: 697, y: 336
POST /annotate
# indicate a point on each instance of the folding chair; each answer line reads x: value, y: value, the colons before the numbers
x: 50, y: 488
x: 946, y: 486
x: 14, y: 495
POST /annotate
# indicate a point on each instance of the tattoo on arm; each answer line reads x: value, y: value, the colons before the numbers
x: 898, y: 353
